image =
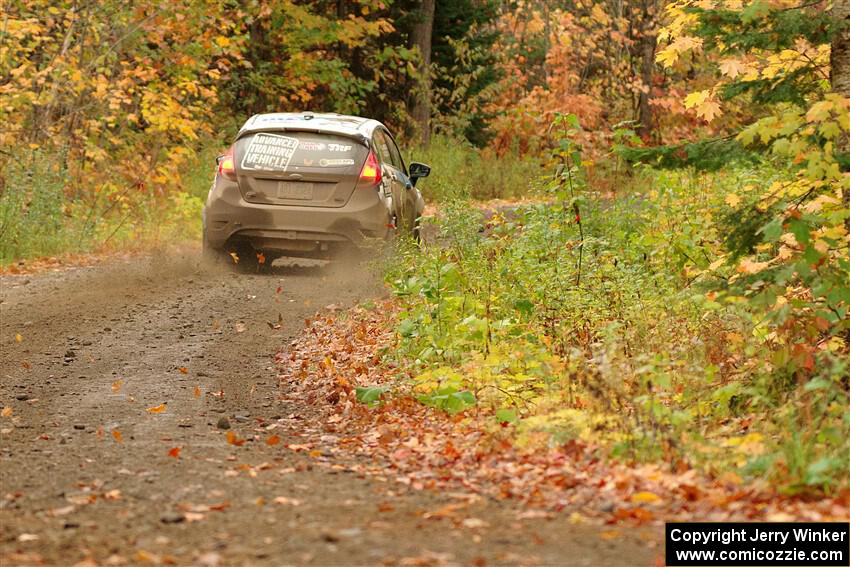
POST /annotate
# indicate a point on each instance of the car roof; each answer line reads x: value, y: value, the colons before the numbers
x: 325, y: 122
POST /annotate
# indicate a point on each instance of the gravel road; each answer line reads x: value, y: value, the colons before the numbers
x: 120, y: 385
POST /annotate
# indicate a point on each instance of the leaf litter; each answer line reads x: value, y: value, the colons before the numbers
x: 424, y: 448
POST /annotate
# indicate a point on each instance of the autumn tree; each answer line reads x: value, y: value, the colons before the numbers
x: 421, y: 39
x: 839, y: 73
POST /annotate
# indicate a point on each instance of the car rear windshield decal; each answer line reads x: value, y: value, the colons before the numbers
x: 339, y: 147
x: 269, y: 152
x: 311, y: 146
x: 335, y: 162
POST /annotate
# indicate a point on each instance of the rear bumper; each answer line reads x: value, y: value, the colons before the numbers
x: 228, y: 218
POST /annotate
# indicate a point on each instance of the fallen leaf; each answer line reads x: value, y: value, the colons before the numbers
x: 27, y: 537
x: 240, y: 327
x: 65, y: 510
x: 234, y: 440
x: 18, y: 337
x: 273, y: 440
x: 145, y: 557
x: 6, y: 412
x: 157, y: 409
x: 113, y: 494
x: 183, y: 369
x: 197, y: 391
x: 117, y: 435
x: 116, y: 386
x: 642, y: 497
x: 174, y: 452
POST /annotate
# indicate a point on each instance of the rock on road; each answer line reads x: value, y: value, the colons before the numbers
x: 118, y: 382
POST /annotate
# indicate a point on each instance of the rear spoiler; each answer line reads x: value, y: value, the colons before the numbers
x: 357, y: 136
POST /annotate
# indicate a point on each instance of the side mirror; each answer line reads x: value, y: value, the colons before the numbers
x: 418, y: 170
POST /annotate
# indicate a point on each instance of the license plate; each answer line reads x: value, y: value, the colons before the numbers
x: 294, y: 190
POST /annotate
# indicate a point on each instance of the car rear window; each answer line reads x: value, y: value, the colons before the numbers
x: 267, y: 151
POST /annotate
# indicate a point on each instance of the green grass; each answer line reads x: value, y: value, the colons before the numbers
x: 44, y: 212
x: 459, y: 170
x: 612, y: 334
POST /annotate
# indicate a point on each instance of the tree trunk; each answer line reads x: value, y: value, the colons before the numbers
x: 839, y: 73
x: 646, y: 71
x: 421, y: 38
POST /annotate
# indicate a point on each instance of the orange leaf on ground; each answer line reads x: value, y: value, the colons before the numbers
x: 273, y: 440
x: 234, y: 440
x: 157, y: 409
x: 197, y: 392
x: 7, y: 411
x: 183, y: 370
x: 117, y: 436
x: 174, y: 452
x: 644, y: 497
x: 116, y: 386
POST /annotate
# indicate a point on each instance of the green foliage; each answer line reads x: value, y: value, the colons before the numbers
x: 31, y: 208
x: 459, y: 170
x: 371, y: 396
x: 619, y: 331
x: 38, y: 217
x: 703, y: 155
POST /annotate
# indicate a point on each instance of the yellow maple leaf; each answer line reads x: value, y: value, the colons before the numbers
x: 733, y: 200
x: 696, y: 98
x: 732, y: 68
x: 819, y: 111
x: 709, y: 110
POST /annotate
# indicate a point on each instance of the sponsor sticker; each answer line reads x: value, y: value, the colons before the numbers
x: 311, y: 146
x: 269, y: 152
x: 335, y: 162
x: 339, y: 148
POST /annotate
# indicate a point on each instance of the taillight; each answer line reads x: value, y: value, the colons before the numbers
x: 226, y: 166
x: 371, y: 172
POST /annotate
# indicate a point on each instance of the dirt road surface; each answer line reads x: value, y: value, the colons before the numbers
x: 117, y: 381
